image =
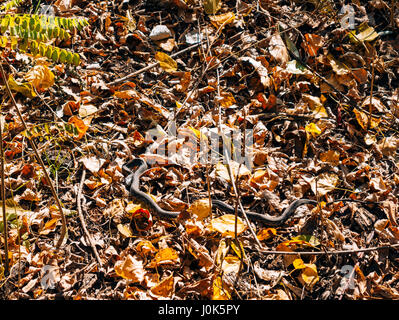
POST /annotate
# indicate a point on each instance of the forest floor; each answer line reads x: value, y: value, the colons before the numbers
x: 291, y: 80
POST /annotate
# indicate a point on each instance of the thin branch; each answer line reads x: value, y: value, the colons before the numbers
x: 39, y: 159
x: 3, y: 198
x: 150, y: 66
x: 340, y: 252
x: 82, y: 219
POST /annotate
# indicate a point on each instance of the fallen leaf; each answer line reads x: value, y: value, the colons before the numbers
x: 145, y: 247
x: 130, y: 268
x: 165, y: 256
x: 221, y: 291
x: 166, y: 62
x: 309, y: 275
x: 41, y: 77
x: 24, y: 88
x: 312, y: 44
x: 212, y: 6
x: 200, y: 208
x: 226, y: 225
x: 93, y: 164
x: 165, y: 288
x: 277, y: 49
x: 266, y: 233
x: 125, y: 230
x: 221, y: 20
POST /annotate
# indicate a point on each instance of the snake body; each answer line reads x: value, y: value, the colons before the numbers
x: 132, y: 181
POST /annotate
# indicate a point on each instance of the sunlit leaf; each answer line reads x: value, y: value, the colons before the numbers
x: 41, y: 77
x: 164, y: 288
x: 212, y: 6
x: 25, y: 88
x: 226, y: 225
x: 130, y: 268
x: 200, y: 208
x: 166, y: 62
x: 221, y: 20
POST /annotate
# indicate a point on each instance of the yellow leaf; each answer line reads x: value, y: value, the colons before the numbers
x: 221, y: 20
x: 130, y: 268
x: 200, y: 208
x: 25, y: 88
x: 166, y: 62
x: 41, y: 77
x: 164, y: 256
x: 164, y: 288
x: 226, y: 225
x: 266, y: 233
x: 145, y: 247
x: 363, y: 119
x: 239, y: 250
x: 331, y: 156
x: 212, y: 6
x: 125, y: 230
x: 132, y: 207
x: 220, y: 290
x: 309, y: 275
x: 298, y: 264
x: 49, y: 226
x: 313, y: 129
x: 226, y: 99
x: 315, y: 104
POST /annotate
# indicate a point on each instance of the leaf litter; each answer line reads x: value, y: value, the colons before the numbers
x: 322, y: 100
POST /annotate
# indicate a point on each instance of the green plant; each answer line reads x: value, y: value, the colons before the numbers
x: 32, y: 32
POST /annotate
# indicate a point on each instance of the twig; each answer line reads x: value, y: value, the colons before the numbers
x: 39, y: 159
x: 3, y: 198
x: 82, y: 219
x: 153, y: 65
x: 371, y: 94
x: 229, y: 170
x: 320, y: 253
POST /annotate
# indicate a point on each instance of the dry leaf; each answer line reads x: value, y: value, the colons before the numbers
x: 92, y: 164
x: 266, y: 233
x: 221, y: 20
x: 324, y: 183
x: 226, y: 225
x: 277, y: 49
x: 309, y: 275
x: 41, y: 77
x: 221, y: 291
x: 165, y: 288
x: 200, y: 208
x: 166, y: 62
x: 130, y: 268
x: 145, y: 248
x: 165, y: 256
x: 212, y: 6
x: 312, y: 44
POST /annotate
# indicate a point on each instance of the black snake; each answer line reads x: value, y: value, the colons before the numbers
x: 132, y: 181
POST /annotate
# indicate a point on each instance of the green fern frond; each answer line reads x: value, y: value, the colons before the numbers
x: 40, y: 27
x: 10, y: 4
x: 29, y: 32
x: 37, y: 48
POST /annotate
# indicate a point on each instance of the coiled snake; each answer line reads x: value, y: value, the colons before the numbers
x: 132, y: 181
